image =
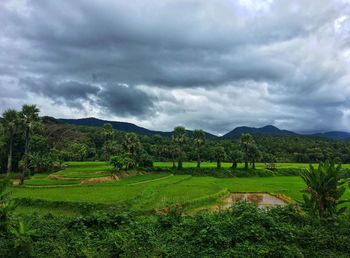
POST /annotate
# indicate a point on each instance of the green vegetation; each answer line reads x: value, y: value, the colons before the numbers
x: 243, y: 231
x: 325, y: 188
x: 143, y: 190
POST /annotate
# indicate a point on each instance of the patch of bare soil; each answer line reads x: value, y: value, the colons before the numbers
x: 56, y: 177
x: 98, y: 180
x: 16, y: 181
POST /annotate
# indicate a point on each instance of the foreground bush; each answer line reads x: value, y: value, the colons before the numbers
x: 243, y: 231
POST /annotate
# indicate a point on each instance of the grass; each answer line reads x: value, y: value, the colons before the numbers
x: 240, y: 165
x: 44, y: 180
x: 147, y: 192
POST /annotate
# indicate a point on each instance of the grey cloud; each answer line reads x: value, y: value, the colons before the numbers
x: 284, y: 57
x: 69, y: 92
x: 123, y: 100
x: 118, y: 99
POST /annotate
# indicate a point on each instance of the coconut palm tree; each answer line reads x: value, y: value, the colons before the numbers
x: 198, y: 139
x: 10, y: 122
x: 179, y: 138
x: 29, y: 117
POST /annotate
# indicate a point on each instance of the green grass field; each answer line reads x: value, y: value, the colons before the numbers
x: 240, y: 165
x: 146, y: 192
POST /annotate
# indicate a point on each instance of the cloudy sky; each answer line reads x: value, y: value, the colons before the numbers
x: 210, y: 64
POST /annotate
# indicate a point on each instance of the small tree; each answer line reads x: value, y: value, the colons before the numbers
x: 324, y: 189
x: 146, y: 161
x: 118, y: 162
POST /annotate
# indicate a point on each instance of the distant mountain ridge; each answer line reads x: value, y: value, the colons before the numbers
x: 335, y: 135
x: 122, y: 126
x: 265, y: 130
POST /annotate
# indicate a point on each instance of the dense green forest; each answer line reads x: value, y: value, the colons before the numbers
x: 38, y: 143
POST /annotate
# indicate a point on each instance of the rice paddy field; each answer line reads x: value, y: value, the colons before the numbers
x: 84, y: 182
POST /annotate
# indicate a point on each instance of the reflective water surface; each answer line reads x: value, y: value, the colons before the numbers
x: 260, y: 199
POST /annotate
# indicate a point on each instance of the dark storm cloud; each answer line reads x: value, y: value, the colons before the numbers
x: 205, y: 64
x: 70, y: 92
x: 122, y: 100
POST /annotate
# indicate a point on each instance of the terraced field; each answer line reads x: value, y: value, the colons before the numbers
x: 144, y: 192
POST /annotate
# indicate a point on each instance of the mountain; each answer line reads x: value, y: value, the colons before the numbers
x: 235, y: 133
x: 266, y: 130
x: 334, y: 135
x: 122, y: 126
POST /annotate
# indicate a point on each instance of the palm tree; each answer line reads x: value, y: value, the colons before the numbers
x: 235, y: 156
x: 324, y: 189
x: 219, y: 154
x: 246, y: 141
x: 199, y: 139
x: 179, y: 138
x: 108, y: 134
x: 253, y: 154
x: 132, y: 146
x: 10, y: 122
x: 29, y: 117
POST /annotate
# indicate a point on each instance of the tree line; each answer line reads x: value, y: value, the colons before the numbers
x: 30, y: 143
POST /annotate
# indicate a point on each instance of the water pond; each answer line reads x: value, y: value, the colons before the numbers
x: 262, y: 200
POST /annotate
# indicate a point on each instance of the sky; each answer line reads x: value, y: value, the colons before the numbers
x: 203, y: 64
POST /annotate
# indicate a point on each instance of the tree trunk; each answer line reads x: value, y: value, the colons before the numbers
x: 26, y: 147
x: 234, y: 164
x: 9, y: 159
x: 246, y: 165
x: 173, y: 158
x: 218, y: 164
x: 179, y: 165
x: 198, y: 161
x: 253, y: 164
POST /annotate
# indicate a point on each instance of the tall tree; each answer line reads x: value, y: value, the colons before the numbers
x: 180, y: 138
x: 219, y: 154
x: 199, y: 140
x: 108, y: 137
x: 246, y: 140
x: 132, y: 147
x: 235, y: 156
x: 254, y: 154
x: 29, y: 117
x: 10, y: 122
